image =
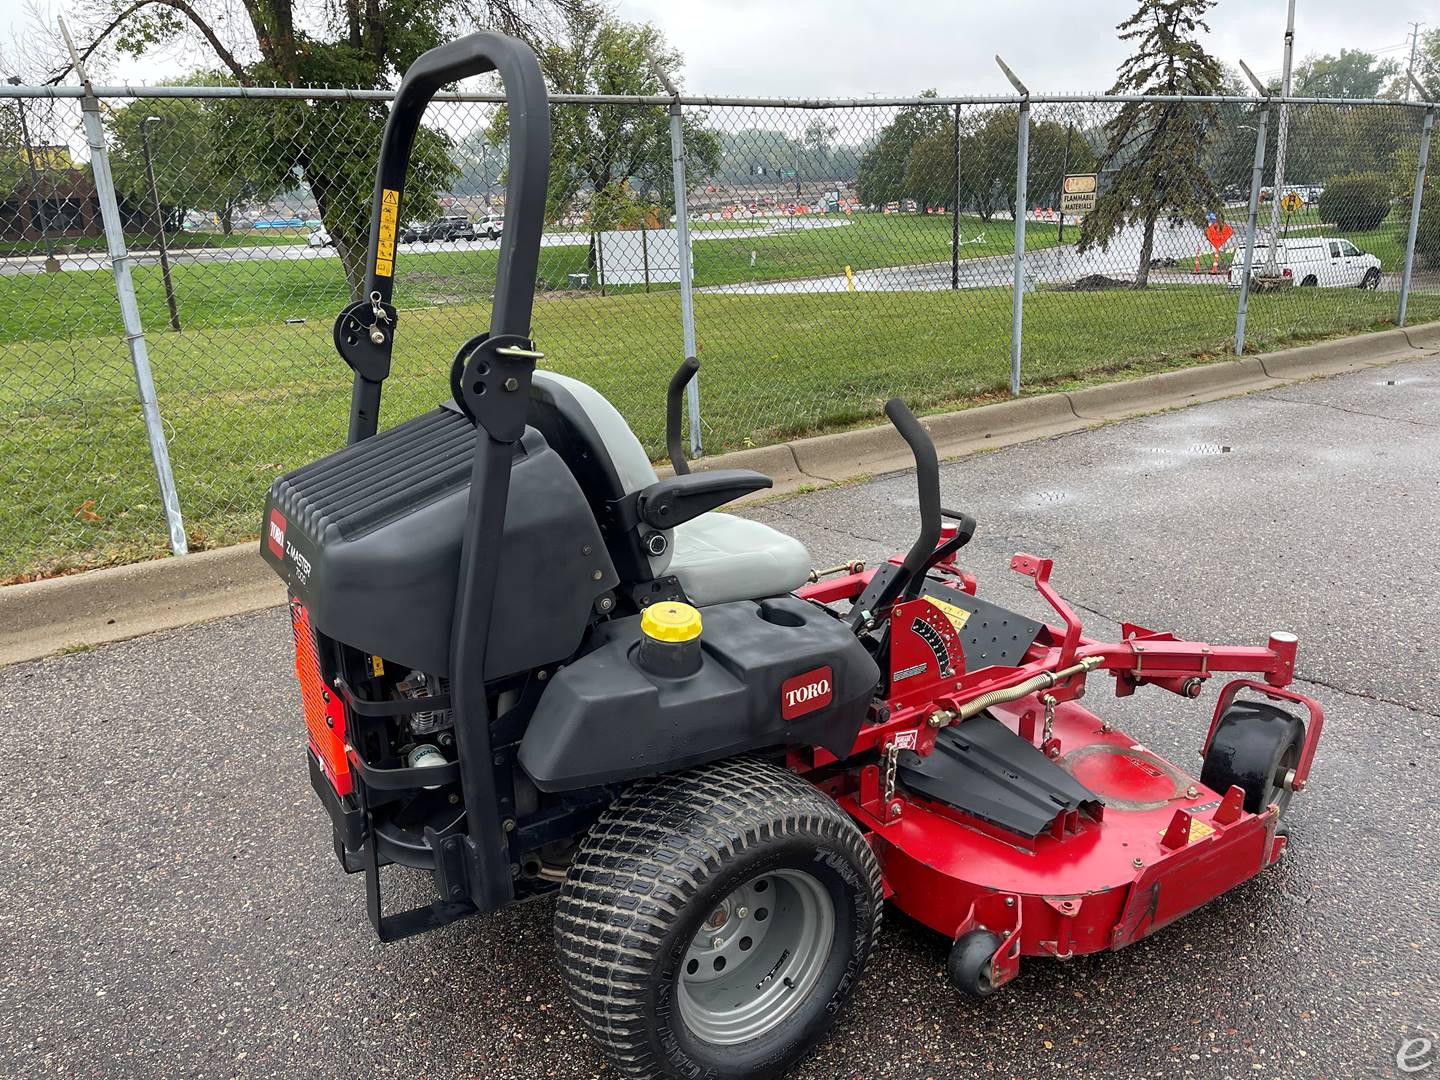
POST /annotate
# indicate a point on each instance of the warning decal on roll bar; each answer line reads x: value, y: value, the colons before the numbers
x: 389, y: 219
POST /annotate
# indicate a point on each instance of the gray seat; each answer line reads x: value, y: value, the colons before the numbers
x: 716, y: 557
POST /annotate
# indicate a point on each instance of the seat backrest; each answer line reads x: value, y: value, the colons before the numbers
x: 607, y: 459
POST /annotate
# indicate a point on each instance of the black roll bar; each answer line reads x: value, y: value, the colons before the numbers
x: 493, y: 378
x: 365, y: 330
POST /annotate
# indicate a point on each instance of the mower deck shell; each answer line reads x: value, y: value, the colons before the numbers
x: 1155, y: 853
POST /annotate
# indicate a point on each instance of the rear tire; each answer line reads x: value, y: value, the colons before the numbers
x: 715, y: 922
x: 1309, y: 282
x: 1255, y: 745
x: 1371, y: 280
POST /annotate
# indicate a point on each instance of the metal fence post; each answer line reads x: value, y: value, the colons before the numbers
x: 687, y: 297
x: 1257, y: 175
x: 1022, y: 198
x: 1415, y: 200
x: 682, y: 237
x: 130, y: 312
x: 955, y: 216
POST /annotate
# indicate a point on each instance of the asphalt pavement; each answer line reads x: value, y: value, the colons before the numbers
x: 170, y: 905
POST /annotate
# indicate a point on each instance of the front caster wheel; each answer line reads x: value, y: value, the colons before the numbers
x: 969, y: 965
x: 1257, y: 746
x: 715, y: 922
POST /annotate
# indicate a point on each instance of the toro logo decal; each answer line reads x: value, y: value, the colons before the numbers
x: 806, y: 693
x: 275, y: 534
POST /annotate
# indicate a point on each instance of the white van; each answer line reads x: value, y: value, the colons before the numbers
x: 1325, y: 261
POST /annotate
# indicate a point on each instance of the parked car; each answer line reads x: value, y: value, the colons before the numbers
x: 490, y: 227
x: 455, y: 227
x: 414, y: 232
x: 1325, y: 261
x: 319, y: 238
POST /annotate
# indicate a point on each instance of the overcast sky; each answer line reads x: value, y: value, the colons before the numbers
x: 851, y: 48
x: 854, y: 48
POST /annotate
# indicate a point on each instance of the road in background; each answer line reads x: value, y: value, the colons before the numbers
x: 15, y: 265
x: 170, y: 904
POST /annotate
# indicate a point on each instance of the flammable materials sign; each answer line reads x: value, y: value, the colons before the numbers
x: 1079, y: 193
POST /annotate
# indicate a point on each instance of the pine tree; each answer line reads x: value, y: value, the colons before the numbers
x: 1153, y: 165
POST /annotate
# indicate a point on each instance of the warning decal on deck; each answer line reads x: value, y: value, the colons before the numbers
x: 389, y: 221
x: 1198, y: 830
x: 958, y: 616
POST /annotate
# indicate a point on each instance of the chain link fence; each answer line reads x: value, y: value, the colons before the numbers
x: 843, y: 252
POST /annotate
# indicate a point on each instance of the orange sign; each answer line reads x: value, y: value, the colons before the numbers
x: 1217, y: 233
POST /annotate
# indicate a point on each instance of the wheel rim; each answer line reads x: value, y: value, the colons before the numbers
x: 757, y: 957
x: 1279, y: 793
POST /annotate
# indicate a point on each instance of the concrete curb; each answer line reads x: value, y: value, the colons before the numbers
x: 1347, y: 354
x: 1170, y: 390
x: 59, y: 614
x: 102, y: 606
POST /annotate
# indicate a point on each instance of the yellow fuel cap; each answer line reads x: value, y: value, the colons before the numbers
x: 670, y: 620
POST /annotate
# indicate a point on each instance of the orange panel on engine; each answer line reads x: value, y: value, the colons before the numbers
x: 324, y: 711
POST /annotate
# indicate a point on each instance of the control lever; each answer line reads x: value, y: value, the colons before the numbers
x: 674, y: 445
x: 892, y: 583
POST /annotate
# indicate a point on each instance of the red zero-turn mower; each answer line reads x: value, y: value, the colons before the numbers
x: 529, y: 665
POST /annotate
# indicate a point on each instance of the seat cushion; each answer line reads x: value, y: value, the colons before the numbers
x: 719, y: 558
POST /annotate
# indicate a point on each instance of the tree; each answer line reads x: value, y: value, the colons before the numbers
x: 333, y: 145
x: 988, y: 159
x: 1427, y: 233
x: 1355, y: 73
x: 817, y: 145
x: 13, y: 172
x: 1355, y: 201
x: 1427, y: 63
x: 1155, y: 150
x: 929, y: 176
x: 192, y: 152
x: 880, y: 178
x: 611, y: 153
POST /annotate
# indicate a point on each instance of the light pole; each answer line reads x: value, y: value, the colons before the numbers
x: 159, y: 219
x: 1277, y: 191
x: 52, y: 264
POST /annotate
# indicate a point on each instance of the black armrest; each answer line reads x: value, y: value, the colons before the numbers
x: 677, y: 499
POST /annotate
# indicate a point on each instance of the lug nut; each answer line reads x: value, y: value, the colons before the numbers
x: 716, y: 943
x: 742, y: 912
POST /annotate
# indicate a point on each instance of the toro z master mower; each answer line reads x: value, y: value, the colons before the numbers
x: 528, y: 664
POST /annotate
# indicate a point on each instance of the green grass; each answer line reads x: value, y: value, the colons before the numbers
x: 246, y: 292
x: 243, y: 401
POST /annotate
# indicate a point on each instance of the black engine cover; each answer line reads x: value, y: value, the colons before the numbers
x: 369, y: 540
x: 603, y: 719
